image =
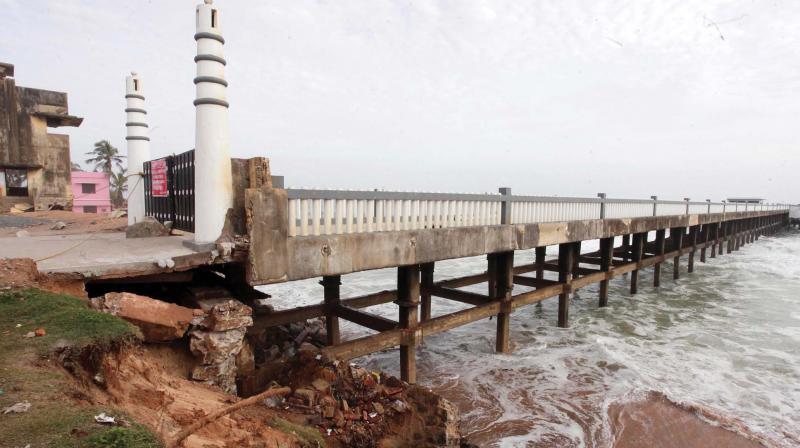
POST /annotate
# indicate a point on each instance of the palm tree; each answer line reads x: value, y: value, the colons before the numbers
x: 105, y: 157
x: 76, y: 166
x: 118, y: 187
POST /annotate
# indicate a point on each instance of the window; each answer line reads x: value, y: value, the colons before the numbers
x: 90, y: 209
x: 88, y: 188
x: 16, y: 182
x: 213, y: 18
x: 136, y: 85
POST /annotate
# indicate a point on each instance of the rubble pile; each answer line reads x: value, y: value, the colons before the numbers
x: 218, y: 341
x: 283, y: 342
x: 356, y: 407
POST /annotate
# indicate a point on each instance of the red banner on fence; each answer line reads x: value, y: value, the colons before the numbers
x: 158, y: 178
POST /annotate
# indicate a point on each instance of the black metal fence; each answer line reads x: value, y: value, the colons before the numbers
x: 169, y: 190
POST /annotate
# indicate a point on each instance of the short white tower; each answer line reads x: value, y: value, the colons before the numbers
x: 138, y: 146
x: 213, y: 190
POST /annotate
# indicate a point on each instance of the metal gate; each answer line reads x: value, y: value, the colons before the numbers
x: 169, y: 190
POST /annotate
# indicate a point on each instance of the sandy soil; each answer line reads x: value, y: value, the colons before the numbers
x: 659, y: 423
x: 39, y: 223
x: 22, y: 273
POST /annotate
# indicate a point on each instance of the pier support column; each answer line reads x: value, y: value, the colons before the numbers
x: 504, y: 281
x: 661, y: 244
x: 576, y: 258
x: 704, y: 240
x: 408, y: 301
x: 565, y: 264
x: 541, y: 257
x: 693, y: 233
x: 425, y: 295
x: 331, y: 285
x: 737, y: 234
x: 714, y: 235
x: 606, y: 257
x: 626, y: 244
x: 541, y: 254
x: 637, y: 249
x: 676, y: 234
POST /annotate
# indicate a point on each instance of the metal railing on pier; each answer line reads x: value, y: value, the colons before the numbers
x: 331, y: 212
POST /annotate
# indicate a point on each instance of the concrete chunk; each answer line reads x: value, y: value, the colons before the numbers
x: 159, y: 321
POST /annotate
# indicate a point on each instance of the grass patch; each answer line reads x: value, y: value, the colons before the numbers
x: 309, y: 436
x: 59, y: 415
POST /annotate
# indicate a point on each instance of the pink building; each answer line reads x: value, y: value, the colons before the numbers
x: 90, y: 192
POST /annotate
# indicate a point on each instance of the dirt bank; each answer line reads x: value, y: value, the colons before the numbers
x: 42, y: 223
x: 17, y: 273
x: 658, y: 422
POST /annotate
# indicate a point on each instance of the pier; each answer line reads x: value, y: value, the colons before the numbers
x: 300, y: 234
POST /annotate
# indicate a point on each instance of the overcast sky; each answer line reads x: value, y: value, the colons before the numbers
x: 632, y: 98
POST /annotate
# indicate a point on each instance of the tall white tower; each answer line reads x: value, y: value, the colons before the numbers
x: 138, y: 146
x: 213, y: 190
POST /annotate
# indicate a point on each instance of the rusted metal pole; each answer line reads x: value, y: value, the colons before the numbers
x: 661, y: 245
x: 565, y: 264
x: 693, y: 231
x: 637, y: 250
x: 505, y: 283
x: 408, y: 301
x: 330, y: 285
x: 676, y: 234
x: 425, y: 295
x: 606, y: 255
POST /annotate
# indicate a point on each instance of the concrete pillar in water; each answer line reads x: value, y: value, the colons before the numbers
x: 138, y: 142
x: 213, y: 190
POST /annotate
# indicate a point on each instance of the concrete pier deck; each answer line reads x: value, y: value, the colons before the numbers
x: 105, y: 255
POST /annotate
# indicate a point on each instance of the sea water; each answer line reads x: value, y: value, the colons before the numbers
x: 726, y: 338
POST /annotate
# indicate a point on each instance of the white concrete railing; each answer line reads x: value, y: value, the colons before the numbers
x: 331, y: 212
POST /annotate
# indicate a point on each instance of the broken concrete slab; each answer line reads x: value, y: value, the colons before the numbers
x: 159, y: 321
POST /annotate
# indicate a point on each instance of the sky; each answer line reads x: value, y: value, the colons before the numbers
x: 695, y: 99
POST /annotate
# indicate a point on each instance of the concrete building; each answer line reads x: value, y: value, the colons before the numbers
x: 34, y: 164
x: 90, y: 192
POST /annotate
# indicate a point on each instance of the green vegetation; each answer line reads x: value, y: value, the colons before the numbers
x: 308, y: 435
x: 60, y: 414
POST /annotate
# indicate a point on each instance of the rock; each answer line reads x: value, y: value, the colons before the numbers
x: 159, y: 321
x: 148, y: 228
x: 19, y: 408
x: 224, y: 314
x: 59, y: 225
x: 23, y: 234
x: 222, y: 375
x: 214, y: 347
x: 321, y: 385
x: 307, y: 395
x: 23, y: 207
x: 440, y: 416
x: 245, y: 360
x: 378, y: 407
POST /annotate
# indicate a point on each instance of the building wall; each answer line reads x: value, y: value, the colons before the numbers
x: 101, y: 198
x: 25, y: 116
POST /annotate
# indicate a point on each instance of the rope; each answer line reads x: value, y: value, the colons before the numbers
x: 92, y: 235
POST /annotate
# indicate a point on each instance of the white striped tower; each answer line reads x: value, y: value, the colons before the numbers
x: 138, y: 143
x: 213, y: 190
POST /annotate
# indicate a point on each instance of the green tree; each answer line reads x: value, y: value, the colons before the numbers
x: 105, y: 157
x: 118, y: 187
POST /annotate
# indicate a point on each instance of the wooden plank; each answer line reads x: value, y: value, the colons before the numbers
x: 527, y: 298
x: 330, y: 285
x: 425, y: 295
x: 459, y: 318
x: 369, y: 320
x: 408, y: 293
x: 470, y: 298
x: 364, y: 346
x: 464, y: 281
x: 586, y: 280
x: 505, y: 283
x: 533, y: 282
